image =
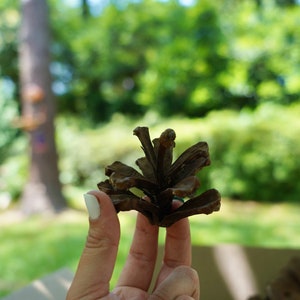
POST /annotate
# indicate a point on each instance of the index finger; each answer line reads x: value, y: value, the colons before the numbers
x: 97, y: 261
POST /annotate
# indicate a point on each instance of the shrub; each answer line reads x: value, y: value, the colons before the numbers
x: 254, y: 154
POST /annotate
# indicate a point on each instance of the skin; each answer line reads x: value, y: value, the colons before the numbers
x: 176, y: 279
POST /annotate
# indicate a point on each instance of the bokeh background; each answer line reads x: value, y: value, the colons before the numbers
x: 226, y: 72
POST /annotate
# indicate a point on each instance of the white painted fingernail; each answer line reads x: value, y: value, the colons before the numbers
x: 92, y: 206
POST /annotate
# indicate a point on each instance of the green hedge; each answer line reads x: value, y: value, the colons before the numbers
x: 255, y: 154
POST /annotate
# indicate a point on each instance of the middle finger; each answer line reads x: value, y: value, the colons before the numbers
x: 139, y: 267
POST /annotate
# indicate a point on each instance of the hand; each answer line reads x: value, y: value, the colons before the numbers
x: 176, y: 279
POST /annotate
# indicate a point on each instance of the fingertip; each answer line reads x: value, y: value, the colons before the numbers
x: 103, y: 217
x: 182, y: 283
x: 189, y: 279
x: 92, y: 205
x: 192, y: 274
x: 102, y: 197
x: 104, y: 202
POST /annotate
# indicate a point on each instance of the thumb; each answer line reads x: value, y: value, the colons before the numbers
x: 99, y: 255
x: 182, y: 283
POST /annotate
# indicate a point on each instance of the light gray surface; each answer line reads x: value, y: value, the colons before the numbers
x: 51, y: 287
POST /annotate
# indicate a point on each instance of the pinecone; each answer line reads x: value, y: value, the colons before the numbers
x: 161, y: 181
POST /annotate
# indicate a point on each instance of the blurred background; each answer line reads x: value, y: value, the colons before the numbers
x: 224, y: 71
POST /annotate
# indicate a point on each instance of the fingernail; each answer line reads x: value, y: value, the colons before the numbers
x: 92, y: 206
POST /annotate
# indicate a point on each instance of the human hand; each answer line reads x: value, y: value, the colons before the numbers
x: 176, y: 279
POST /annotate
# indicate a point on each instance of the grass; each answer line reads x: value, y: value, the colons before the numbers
x: 33, y: 247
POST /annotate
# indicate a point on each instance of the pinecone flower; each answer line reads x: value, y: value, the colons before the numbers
x: 161, y: 181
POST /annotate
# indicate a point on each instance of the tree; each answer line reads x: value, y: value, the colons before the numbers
x: 43, y: 189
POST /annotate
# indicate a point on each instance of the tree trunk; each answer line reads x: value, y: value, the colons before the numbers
x: 43, y: 189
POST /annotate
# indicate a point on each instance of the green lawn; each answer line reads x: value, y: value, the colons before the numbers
x: 33, y: 247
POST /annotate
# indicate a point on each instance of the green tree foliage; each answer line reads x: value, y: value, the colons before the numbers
x: 181, y: 78
x: 108, y: 54
x: 135, y: 56
x: 182, y: 60
x: 265, y: 55
x: 9, y: 20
